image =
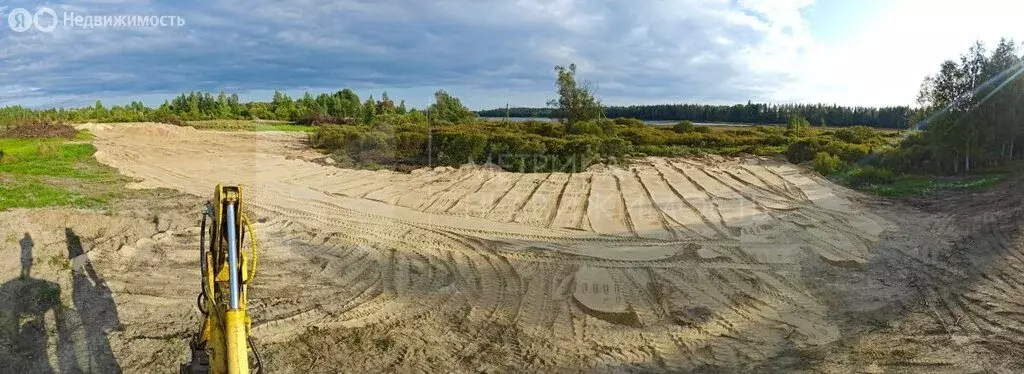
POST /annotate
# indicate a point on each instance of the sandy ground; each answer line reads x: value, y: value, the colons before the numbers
x: 659, y: 265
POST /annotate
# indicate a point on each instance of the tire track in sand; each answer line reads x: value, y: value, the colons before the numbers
x: 456, y: 259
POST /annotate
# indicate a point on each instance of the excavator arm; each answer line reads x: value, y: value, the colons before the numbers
x: 223, y: 343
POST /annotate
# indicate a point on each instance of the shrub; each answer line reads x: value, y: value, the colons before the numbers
x: 544, y: 128
x: 645, y: 135
x: 806, y: 149
x: 515, y: 144
x: 683, y: 127
x: 702, y: 129
x: 456, y: 147
x: 827, y: 164
x: 800, y: 151
x: 742, y: 132
x: 615, y: 147
x: 777, y: 140
x: 170, y: 119
x: 409, y: 144
x: 319, y: 119
x: 359, y: 143
x: 857, y: 135
x: 668, y: 150
x: 770, y: 130
x: 629, y: 122
x: 914, y: 154
x: 585, y: 127
x: 868, y: 174
x: 607, y: 126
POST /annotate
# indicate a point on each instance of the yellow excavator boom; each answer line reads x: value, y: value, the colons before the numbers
x: 223, y: 343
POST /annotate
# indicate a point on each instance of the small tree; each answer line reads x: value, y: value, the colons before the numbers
x: 798, y: 125
x: 369, y: 110
x: 575, y: 102
x: 449, y: 108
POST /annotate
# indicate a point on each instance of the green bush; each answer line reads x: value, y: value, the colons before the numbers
x: 803, y: 150
x: 806, y: 149
x: 770, y: 130
x: 544, y: 128
x: 645, y: 135
x: 459, y: 147
x: 870, y: 175
x: 629, y: 122
x: 827, y: 164
x: 170, y: 119
x: 858, y: 135
x: 668, y: 151
x: 607, y: 126
x: 552, y: 146
x: 585, y: 127
x: 505, y: 145
x: 615, y: 147
x: 777, y: 140
x: 683, y: 127
x: 410, y: 145
x: 361, y: 144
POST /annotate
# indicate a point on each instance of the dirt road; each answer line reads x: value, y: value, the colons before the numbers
x: 664, y: 264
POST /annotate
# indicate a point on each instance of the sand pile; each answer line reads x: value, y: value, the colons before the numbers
x: 667, y: 264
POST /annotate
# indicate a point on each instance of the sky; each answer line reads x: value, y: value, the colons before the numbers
x: 491, y: 53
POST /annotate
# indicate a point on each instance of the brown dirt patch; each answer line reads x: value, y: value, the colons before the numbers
x: 40, y: 129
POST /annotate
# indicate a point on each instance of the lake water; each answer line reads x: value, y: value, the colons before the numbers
x: 652, y: 123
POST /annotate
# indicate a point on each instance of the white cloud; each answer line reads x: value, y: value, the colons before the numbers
x: 636, y: 51
x: 883, y: 60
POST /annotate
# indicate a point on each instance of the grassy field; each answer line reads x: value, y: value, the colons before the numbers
x: 54, y: 172
x: 916, y: 185
x: 246, y: 125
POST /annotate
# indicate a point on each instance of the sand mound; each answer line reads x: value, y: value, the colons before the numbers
x: 93, y: 126
x: 669, y: 264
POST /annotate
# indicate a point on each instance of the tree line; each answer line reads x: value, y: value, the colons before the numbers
x: 971, y: 112
x: 343, y: 106
x: 893, y: 117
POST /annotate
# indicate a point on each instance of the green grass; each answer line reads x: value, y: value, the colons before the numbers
x: 34, y: 194
x: 84, y: 136
x: 49, y: 157
x: 245, y: 125
x: 283, y: 127
x: 54, y: 172
x: 924, y: 185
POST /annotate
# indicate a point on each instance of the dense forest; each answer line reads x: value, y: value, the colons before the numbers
x: 896, y: 117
